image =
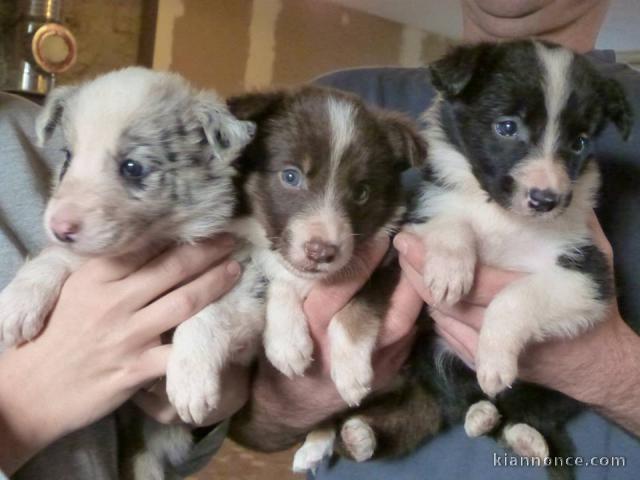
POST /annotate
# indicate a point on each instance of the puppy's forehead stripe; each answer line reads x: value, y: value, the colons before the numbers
x: 341, y: 124
x: 556, y: 65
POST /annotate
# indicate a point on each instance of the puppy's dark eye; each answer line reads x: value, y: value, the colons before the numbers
x: 506, y: 128
x: 580, y: 143
x: 222, y: 140
x: 132, y: 169
x: 361, y: 194
x: 66, y: 163
x: 291, y: 177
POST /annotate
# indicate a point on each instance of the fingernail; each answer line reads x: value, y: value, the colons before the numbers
x: 233, y: 268
x: 401, y: 244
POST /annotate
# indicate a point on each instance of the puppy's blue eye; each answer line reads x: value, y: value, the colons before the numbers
x: 291, y: 177
x: 580, y: 144
x: 132, y: 169
x: 506, y: 128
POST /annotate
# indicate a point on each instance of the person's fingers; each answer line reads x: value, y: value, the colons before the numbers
x: 405, y: 307
x: 599, y: 237
x: 415, y: 278
x: 388, y: 361
x: 325, y: 301
x: 487, y: 284
x: 466, y: 336
x: 471, y: 315
x: 454, y: 344
x: 179, y: 305
x: 150, y: 365
x: 112, y: 269
x: 173, y: 267
x: 154, y: 402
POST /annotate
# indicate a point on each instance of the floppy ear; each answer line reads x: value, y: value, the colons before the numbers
x: 616, y: 106
x: 222, y: 129
x: 51, y: 114
x: 451, y: 74
x: 410, y: 149
x: 255, y: 106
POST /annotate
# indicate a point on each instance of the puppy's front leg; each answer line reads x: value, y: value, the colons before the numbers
x: 450, y: 257
x: 228, y: 330
x: 287, y: 342
x: 353, y: 332
x: 31, y: 295
x: 559, y: 303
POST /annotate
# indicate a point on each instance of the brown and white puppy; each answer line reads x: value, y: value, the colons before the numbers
x: 148, y: 161
x: 322, y: 181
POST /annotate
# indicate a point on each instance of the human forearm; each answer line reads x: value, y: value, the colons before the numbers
x: 616, y: 380
x: 22, y: 433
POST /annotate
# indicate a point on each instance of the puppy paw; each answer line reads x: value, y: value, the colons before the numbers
x: 23, y: 309
x: 358, y: 438
x: 352, y: 377
x: 290, y: 352
x: 449, y: 273
x: 351, y: 352
x: 481, y: 418
x: 495, y: 371
x: 316, y: 447
x: 193, y: 386
x: 526, y: 441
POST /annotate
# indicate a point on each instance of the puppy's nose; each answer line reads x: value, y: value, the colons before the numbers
x: 320, y: 251
x: 543, y: 200
x: 65, y: 230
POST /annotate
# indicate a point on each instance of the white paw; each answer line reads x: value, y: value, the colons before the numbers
x: 351, y: 369
x: 352, y: 378
x: 316, y: 447
x: 496, y: 370
x: 481, y: 418
x: 358, y: 438
x: 291, y: 352
x: 449, y: 273
x: 23, y: 309
x: 193, y: 385
x: 526, y: 441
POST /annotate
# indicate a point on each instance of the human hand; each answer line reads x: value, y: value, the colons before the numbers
x: 102, y: 341
x: 563, y: 365
x: 302, y: 402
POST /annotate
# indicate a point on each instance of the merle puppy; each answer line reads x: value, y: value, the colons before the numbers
x: 321, y: 180
x: 148, y: 162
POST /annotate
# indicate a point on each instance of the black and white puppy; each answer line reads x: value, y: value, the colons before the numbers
x: 321, y: 182
x: 149, y: 162
x: 512, y: 183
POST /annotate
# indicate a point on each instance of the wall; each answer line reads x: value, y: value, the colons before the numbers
x: 233, y: 45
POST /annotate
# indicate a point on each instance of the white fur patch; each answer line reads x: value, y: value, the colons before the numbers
x: 481, y: 418
x: 359, y: 438
x: 29, y: 298
x: 556, y: 63
x: 317, y: 446
x: 525, y: 440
